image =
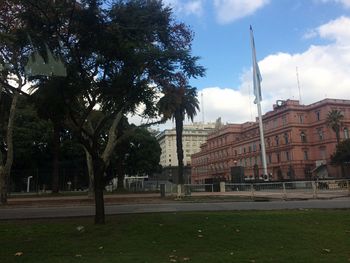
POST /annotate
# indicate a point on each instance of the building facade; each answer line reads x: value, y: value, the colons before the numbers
x: 298, y: 142
x: 193, y: 137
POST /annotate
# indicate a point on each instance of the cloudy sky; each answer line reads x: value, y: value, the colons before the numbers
x: 311, y: 37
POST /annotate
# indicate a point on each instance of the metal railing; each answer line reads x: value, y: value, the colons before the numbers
x: 199, y: 188
x: 293, y: 189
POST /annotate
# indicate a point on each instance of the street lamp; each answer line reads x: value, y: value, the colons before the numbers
x: 28, y: 183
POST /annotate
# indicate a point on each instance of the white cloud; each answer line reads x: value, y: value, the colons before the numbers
x: 345, y: 3
x: 337, y: 30
x: 323, y: 73
x: 192, y: 7
x: 230, y: 10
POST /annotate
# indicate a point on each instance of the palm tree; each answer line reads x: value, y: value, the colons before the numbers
x: 334, y: 120
x: 178, y: 102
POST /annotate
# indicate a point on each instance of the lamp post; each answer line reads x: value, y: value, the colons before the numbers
x: 28, y: 183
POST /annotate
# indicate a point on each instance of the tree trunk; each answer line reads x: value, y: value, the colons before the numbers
x: 5, y: 169
x: 179, y: 151
x: 90, y: 166
x: 99, y: 168
x: 120, y: 174
x: 3, y: 185
x: 342, y: 169
x: 56, y: 157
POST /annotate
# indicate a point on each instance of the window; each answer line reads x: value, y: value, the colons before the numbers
x: 306, y: 155
x: 287, y: 156
x: 249, y: 149
x: 320, y: 134
x: 346, y: 133
x: 286, y: 140
x: 323, y: 153
x: 303, y: 137
x: 278, y: 157
x: 277, y: 140
x: 269, y: 158
x: 268, y: 142
x: 284, y: 120
x: 318, y: 115
x: 301, y: 118
x: 275, y: 123
x: 254, y: 147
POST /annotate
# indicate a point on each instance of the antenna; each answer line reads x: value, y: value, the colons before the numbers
x: 297, y: 72
x: 202, y: 102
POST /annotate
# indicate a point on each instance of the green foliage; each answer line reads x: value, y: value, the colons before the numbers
x: 334, y: 120
x: 342, y: 153
x: 142, y: 153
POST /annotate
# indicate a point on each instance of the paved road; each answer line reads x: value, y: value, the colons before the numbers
x: 76, y: 211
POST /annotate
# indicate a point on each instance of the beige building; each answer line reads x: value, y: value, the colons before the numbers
x: 193, y: 136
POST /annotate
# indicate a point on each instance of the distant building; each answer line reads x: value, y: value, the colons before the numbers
x: 193, y: 136
x: 298, y: 143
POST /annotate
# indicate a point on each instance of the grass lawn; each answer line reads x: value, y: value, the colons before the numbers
x: 250, y: 236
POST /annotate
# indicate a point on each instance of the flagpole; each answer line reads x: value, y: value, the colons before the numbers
x: 257, y: 92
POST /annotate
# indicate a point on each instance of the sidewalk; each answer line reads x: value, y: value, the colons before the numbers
x: 154, y: 198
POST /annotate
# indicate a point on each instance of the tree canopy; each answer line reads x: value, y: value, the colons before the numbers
x: 117, y: 57
x: 342, y: 153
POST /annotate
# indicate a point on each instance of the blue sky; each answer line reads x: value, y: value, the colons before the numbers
x: 222, y: 40
x: 311, y: 35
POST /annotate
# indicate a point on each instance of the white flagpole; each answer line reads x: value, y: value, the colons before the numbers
x: 257, y: 92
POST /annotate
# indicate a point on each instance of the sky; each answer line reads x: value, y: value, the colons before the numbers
x: 308, y: 38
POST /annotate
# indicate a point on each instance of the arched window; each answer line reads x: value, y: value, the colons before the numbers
x: 277, y: 140
x: 303, y: 137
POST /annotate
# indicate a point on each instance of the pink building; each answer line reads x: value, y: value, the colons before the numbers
x: 298, y: 144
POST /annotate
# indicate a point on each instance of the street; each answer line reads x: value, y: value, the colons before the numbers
x: 88, y: 210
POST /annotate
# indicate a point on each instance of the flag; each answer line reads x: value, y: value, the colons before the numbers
x: 256, y: 72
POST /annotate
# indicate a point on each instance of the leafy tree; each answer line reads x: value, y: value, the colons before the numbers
x: 116, y: 59
x: 342, y: 153
x: 138, y: 154
x: 334, y: 121
x: 12, y: 80
x: 50, y: 106
x: 179, y: 100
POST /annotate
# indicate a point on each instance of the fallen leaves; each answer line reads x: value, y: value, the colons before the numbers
x: 81, y: 229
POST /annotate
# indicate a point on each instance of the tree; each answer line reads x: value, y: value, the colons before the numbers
x: 138, y: 154
x: 334, y: 120
x: 342, y: 153
x: 115, y: 59
x: 50, y: 106
x: 179, y: 100
x: 12, y: 80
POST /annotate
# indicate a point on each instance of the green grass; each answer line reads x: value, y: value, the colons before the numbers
x: 252, y: 236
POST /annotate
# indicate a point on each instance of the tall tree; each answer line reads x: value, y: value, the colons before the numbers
x: 12, y: 80
x: 342, y: 154
x: 50, y: 106
x: 115, y: 59
x: 334, y: 120
x: 179, y: 100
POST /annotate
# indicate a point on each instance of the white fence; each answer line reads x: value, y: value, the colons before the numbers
x: 281, y: 190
